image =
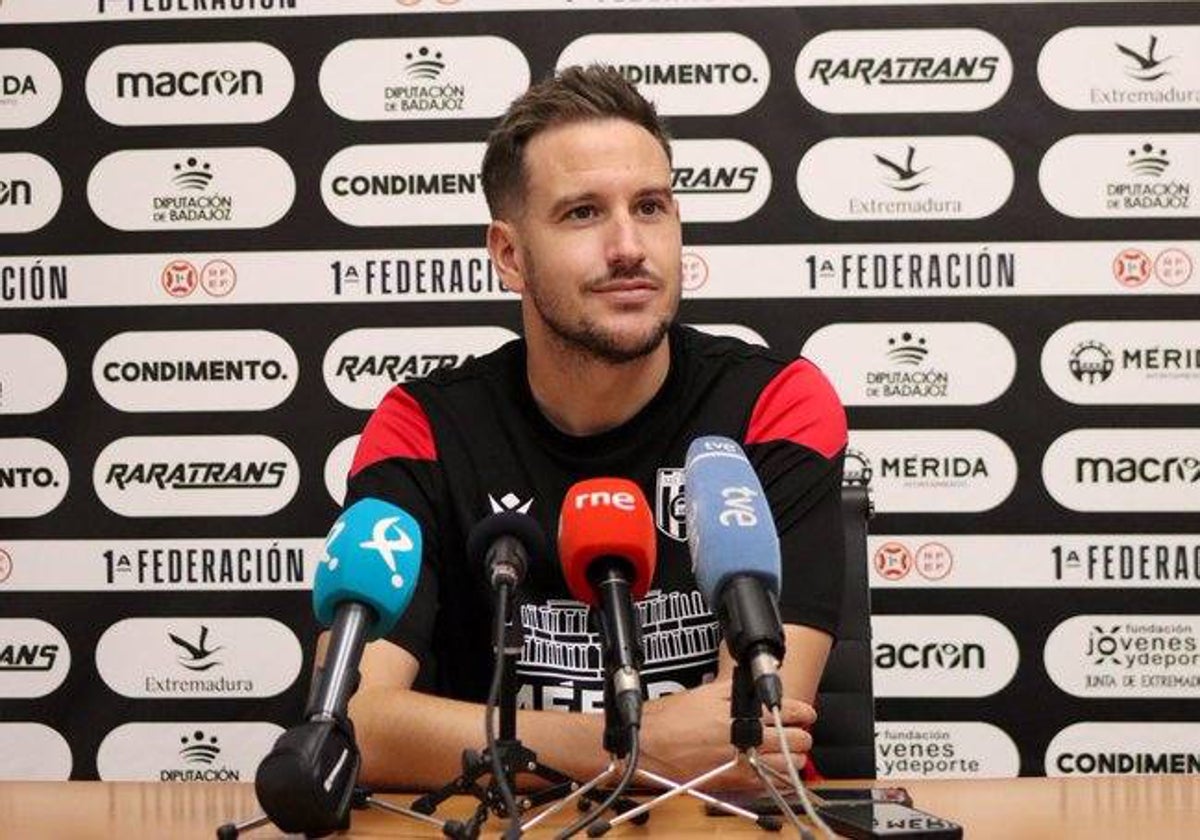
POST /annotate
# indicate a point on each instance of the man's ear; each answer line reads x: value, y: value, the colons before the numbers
x: 504, y: 248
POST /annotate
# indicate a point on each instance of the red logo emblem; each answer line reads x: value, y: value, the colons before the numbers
x: 934, y: 561
x: 1131, y: 268
x: 1173, y: 267
x: 179, y: 278
x: 893, y: 561
x: 218, y: 278
x: 694, y: 270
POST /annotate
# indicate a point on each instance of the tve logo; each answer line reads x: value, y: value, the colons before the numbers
x: 941, y: 655
x: 191, y: 189
x: 34, y: 657
x: 406, y: 184
x: 1125, y: 68
x: 859, y: 179
x: 1110, y: 176
x: 33, y: 752
x: 1125, y: 470
x: 681, y: 72
x: 361, y: 365
x: 189, y: 83
x: 1124, y: 362
x: 209, y: 751
x: 718, y: 180
x: 198, y: 370
x: 33, y: 373
x: 863, y: 71
x: 197, y: 475
x: 952, y: 363
x: 423, y: 79
x: 30, y: 192
x: 337, y: 468
x: 1129, y: 748
x: 926, y: 470
x: 944, y: 750
x: 198, y: 657
x: 33, y: 477
x: 30, y: 88
x: 1126, y: 656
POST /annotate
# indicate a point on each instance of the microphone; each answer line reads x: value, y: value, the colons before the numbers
x: 503, y: 544
x: 606, y: 545
x: 362, y: 587
x: 735, y: 557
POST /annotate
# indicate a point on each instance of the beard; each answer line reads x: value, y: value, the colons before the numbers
x: 584, y: 335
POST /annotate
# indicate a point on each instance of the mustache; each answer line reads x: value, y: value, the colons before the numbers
x: 624, y: 272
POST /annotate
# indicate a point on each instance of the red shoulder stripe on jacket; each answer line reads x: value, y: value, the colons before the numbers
x: 799, y: 405
x: 397, y: 429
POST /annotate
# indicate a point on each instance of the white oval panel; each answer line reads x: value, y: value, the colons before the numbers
x: 33, y: 752
x: 33, y: 373
x: 34, y: 658
x: 30, y: 192
x: 406, y: 184
x: 941, y: 655
x: 197, y: 370
x: 1124, y: 749
x: 681, y: 72
x: 34, y: 477
x: 1125, y: 470
x: 1144, y: 656
x: 423, y: 78
x: 191, y: 189
x: 718, y: 180
x: 1124, y: 362
x: 197, y: 751
x: 927, y: 363
x: 944, y: 750
x: 733, y: 331
x: 1122, y: 68
x: 887, y: 71
x: 860, y: 179
x: 337, y: 468
x: 196, y: 475
x: 190, y: 83
x: 362, y: 365
x: 933, y: 470
x: 1111, y: 176
x: 30, y: 88
x: 198, y: 657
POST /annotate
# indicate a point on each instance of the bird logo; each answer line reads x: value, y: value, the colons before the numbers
x: 1148, y: 67
x: 198, y: 657
x: 906, y: 176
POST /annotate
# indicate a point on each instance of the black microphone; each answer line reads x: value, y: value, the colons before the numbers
x: 503, y: 543
x: 362, y: 587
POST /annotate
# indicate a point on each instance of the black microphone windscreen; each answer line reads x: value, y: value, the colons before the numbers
x: 520, y: 526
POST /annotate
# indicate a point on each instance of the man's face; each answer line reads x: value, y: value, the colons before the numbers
x: 597, y: 242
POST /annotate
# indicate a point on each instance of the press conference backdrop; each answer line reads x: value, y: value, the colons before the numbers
x: 228, y: 226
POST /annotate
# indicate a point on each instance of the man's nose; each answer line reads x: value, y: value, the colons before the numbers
x: 625, y: 246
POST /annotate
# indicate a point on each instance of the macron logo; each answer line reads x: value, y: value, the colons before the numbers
x: 379, y: 542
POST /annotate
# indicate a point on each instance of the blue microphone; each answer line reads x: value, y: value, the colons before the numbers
x: 363, y: 585
x: 735, y: 557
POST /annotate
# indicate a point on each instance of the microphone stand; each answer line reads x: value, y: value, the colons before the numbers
x: 296, y: 772
x: 746, y: 735
x: 514, y: 758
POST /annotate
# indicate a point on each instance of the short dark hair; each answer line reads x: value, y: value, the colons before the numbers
x: 576, y: 94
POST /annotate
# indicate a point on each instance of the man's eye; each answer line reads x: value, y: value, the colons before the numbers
x: 584, y: 211
x: 650, y: 207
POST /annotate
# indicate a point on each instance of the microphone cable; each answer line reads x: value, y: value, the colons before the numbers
x: 493, y: 699
x: 794, y: 778
x: 616, y: 793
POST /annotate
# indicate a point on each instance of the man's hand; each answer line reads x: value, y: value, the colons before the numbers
x: 686, y: 734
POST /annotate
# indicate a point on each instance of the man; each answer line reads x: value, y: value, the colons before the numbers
x: 586, y: 230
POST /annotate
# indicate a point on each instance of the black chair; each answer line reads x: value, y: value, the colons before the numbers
x: 844, y: 734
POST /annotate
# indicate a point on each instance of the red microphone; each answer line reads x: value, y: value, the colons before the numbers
x: 607, y: 547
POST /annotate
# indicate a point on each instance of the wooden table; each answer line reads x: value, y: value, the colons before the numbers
x: 1158, y: 807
